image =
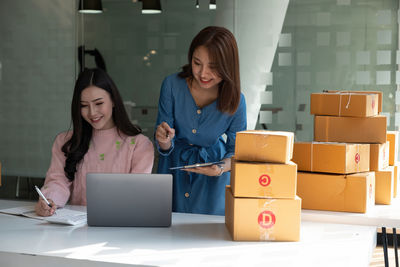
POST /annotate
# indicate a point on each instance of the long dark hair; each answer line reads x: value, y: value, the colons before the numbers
x: 77, y: 146
x: 222, y: 49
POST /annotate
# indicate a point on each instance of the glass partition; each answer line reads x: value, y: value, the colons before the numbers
x: 332, y: 45
x: 37, y: 74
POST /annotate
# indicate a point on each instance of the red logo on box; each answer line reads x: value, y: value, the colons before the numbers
x: 357, y: 158
x: 266, y: 219
x: 264, y: 180
x: 373, y: 103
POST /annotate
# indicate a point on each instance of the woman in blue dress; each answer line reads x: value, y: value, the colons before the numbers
x: 200, y: 110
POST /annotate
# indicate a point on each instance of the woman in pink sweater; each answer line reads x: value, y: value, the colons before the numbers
x: 102, y: 140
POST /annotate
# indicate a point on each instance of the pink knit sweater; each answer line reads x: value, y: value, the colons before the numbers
x: 108, y: 152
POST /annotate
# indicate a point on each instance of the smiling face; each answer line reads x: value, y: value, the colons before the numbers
x: 204, y: 70
x: 97, y: 108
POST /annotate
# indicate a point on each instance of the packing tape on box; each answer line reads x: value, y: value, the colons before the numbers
x: 266, y: 220
x: 312, y: 159
x: 359, y: 157
x: 312, y: 153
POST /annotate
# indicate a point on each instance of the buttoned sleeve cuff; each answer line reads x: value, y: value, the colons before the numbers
x: 228, y: 155
x: 165, y: 153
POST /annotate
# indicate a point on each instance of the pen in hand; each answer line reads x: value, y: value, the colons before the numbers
x: 43, y: 197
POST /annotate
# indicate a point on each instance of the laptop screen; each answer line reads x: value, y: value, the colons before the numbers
x: 115, y: 199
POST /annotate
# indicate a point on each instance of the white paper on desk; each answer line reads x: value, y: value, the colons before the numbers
x: 18, y: 210
x: 27, y: 211
x: 62, y: 216
x: 67, y: 216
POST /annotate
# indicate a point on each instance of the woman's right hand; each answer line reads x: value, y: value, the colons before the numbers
x: 42, y: 209
x: 164, y: 135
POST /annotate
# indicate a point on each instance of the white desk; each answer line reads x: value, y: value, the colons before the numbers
x: 379, y: 215
x: 192, y: 240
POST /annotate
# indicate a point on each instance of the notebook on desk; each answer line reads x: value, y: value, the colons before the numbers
x: 115, y: 199
x: 61, y: 216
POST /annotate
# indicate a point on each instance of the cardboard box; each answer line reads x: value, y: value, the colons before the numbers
x: 393, y: 138
x: 335, y: 192
x: 379, y: 93
x: 346, y: 104
x: 350, y: 129
x: 379, y: 156
x: 384, y: 184
x: 269, y: 180
x: 261, y: 219
x: 331, y: 157
x: 264, y: 146
x: 396, y: 175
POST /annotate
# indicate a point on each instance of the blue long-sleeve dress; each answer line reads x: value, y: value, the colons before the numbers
x: 198, y: 138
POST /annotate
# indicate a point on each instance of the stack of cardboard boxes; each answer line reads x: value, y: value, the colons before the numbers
x: 261, y: 203
x: 336, y: 167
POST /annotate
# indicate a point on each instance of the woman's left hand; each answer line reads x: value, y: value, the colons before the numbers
x: 214, y: 170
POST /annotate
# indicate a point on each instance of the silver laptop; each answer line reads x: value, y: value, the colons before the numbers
x: 115, y: 199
